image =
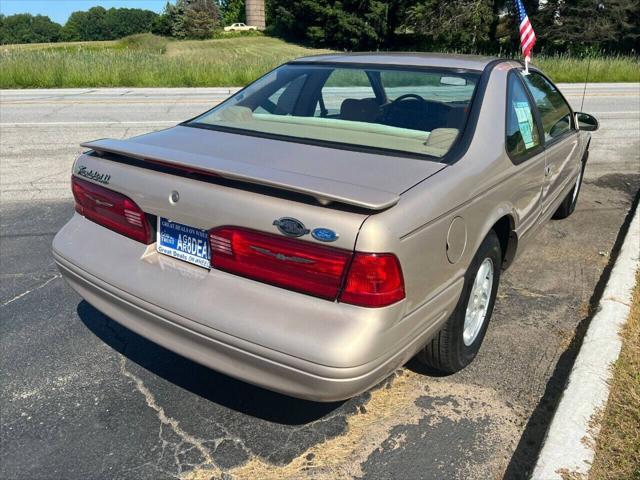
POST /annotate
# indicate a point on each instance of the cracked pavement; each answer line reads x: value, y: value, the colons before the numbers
x: 82, y: 397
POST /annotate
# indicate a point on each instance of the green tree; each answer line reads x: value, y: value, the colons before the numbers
x: 462, y: 25
x: 178, y: 27
x: 201, y: 17
x: 396, y: 15
x: 27, y: 28
x: 585, y: 24
x: 163, y: 23
x: 100, y: 24
x: 85, y: 26
x: 232, y: 11
x: 346, y: 24
x: 121, y: 22
x: 191, y: 18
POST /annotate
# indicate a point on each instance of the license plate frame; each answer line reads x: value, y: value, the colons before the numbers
x: 183, y: 242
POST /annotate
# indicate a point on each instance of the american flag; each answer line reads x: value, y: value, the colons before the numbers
x: 527, y: 35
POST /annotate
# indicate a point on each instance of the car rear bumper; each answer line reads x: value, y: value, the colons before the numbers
x: 196, y: 343
x: 120, y: 281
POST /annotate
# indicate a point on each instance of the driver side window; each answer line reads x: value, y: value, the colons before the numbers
x: 554, y: 111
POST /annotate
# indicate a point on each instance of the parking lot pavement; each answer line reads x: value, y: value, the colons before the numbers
x: 82, y: 397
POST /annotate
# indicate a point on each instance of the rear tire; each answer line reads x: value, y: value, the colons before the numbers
x: 568, y: 205
x: 457, y: 344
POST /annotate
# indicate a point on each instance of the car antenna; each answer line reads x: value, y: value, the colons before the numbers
x: 586, y: 79
x: 599, y: 8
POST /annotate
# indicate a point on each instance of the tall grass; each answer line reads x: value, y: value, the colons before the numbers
x: 149, y: 61
x: 563, y: 68
x: 145, y: 42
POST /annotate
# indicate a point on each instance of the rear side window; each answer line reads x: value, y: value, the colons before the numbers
x: 554, y: 111
x: 522, y: 133
x: 283, y: 100
x: 346, y: 84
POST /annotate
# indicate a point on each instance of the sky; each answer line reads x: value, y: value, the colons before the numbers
x: 59, y: 10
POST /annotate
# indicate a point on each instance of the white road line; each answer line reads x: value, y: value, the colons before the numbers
x: 115, y: 122
x: 620, y: 112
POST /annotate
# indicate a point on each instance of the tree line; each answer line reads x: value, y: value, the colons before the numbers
x: 196, y: 19
x: 486, y: 26
x: 97, y: 23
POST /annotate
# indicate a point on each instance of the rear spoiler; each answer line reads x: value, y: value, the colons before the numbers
x: 324, y: 190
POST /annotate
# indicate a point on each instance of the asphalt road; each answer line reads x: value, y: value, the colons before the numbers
x: 82, y: 397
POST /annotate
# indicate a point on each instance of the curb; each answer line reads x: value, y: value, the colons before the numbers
x: 568, y: 448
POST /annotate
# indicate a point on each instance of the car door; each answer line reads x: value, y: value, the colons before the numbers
x: 560, y: 139
x: 525, y: 147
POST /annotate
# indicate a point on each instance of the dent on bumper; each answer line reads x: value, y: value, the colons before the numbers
x: 235, y: 355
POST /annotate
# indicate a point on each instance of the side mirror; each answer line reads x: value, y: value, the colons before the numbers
x: 587, y: 122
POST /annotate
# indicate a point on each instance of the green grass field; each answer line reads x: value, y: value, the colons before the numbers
x: 149, y: 61
x: 144, y: 61
x: 563, y: 68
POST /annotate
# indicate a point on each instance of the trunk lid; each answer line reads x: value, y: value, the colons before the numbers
x: 366, y: 180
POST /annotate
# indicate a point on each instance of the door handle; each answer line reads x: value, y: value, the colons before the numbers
x: 547, y: 170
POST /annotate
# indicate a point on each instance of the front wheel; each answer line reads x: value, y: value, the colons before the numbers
x: 457, y: 344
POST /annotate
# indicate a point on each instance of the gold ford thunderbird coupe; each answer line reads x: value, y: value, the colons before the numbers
x: 337, y: 217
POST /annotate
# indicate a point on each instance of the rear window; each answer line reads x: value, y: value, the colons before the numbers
x: 414, y: 111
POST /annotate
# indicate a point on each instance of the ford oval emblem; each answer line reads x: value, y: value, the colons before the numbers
x: 324, y: 235
x: 291, y: 227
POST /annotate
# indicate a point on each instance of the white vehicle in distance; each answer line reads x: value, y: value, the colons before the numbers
x: 240, y: 27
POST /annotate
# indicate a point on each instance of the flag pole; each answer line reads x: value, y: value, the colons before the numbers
x: 526, y: 65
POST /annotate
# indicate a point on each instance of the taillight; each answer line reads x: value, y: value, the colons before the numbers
x: 111, y: 210
x: 293, y: 264
x: 372, y: 280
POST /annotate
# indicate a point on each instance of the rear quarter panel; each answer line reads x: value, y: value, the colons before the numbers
x: 480, y: 188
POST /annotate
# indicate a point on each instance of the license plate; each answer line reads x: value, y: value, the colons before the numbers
x: 184, y: 242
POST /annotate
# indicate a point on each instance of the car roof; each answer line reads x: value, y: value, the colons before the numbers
x: 411, y: 59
